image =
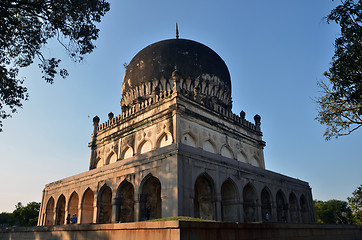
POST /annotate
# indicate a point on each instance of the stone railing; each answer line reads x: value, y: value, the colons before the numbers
x: 211, y: 96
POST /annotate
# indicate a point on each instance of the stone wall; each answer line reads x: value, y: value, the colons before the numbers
x: 180, y: 230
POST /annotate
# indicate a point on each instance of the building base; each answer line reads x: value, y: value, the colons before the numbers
x: 185, y: 230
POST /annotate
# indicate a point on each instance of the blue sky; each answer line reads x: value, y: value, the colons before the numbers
x: 275, y: 51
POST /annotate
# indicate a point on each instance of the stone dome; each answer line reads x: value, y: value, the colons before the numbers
x: 191, y: 59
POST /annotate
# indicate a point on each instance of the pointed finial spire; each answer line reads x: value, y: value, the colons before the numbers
x: 176, y: 31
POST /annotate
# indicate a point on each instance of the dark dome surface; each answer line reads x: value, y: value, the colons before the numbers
x: 191, y: 59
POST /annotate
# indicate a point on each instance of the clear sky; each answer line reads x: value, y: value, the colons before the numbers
x: 275, y: 51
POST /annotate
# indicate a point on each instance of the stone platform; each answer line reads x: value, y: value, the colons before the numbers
x: 185, y: 230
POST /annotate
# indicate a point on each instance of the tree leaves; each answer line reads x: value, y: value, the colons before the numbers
x: 333, y: 212
x: 356, y: 204
x: 27, y: 25
x: 340, y: 106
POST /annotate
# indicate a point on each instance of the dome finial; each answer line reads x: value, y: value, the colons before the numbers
x: 176, y: 31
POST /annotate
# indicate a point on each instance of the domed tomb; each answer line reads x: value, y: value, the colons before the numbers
x: 202, y: 73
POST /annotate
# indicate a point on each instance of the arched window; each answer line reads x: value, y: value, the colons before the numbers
x: 208, y: 146
x: 125, y: 202
x: 145, y: 147
x: 49, y: 212
x: 112, y: 158
x: 242, y: 157
x: 255, y: 162
x: 165, y: 140
x: 249, y: 206
x: 150, y: 199
x: 99, y: 163
x: 73, y: 204
x: 229, y: 202
x: 265, y: 204
x: 226, y: 152
x: 127, y: 153
x: 204, y: 202
x: 87, y: 206
x: 105, y: 205
x: 293, y: 208
x: 60, y: 213
x: 188, y: 140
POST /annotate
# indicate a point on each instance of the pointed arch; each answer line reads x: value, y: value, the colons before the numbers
x: 293, y: 208
x: 164, y: 140
x: 282, y: 208
x: 87, y: 206
x: 112, y: 158
x: 229, y: 201
x: 188, y: 139
x: 105, y: 204
x: 150, y: 198
x: 99, y: 162
x: 49, y: 212
x: 241, y: 156
x: 127, y: 152
x: 226, y: 152
x: 125, y: 202
x: 254, y: 161
x: 73, y: 204
x: 266, y: 208
x: 209, y: 146
x: 60, y: 211
x: 204, y: 201
x: 304, y: 209
x: 249, y: 203
x: 145, y: 146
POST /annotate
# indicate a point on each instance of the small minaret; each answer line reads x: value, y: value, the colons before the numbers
x: 177, y: 31
x: 94, y: 138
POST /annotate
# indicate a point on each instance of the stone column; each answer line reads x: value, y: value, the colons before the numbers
x: 41, y: 212
x: 136, y: 208
x: 274, y: 215
x: 66, y: 215
x: 79, y: 214
x: 114, y: 210
x: 54, y: 213
x: 218, y: 214
x: 259, y: 217
x: 241, y: 211
x: 95, y: 210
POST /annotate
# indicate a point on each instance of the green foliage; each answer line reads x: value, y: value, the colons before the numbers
x: 356, y: 205
x: 333, y: 212
x: 6, y: 219
x: 27, y: 25
x: 340, y: 106
x: 24, y: 216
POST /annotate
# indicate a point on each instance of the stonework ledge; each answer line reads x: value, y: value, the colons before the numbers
x: 172, y: 230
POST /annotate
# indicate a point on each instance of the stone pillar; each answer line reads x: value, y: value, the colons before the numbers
x: 136, y: 209
x: 241, y: 211
x: 274, y: 215
x: 299, y: 213
x: 93, y: 144
x: 218, y: 214
x: 259, y: 217
x: 41, y: 212
x: 79, y: 214
x: 114, y: 210
x: 66, y: 215
x: 95, y: 210
x: 191, y: 209
x: 54, y: 213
